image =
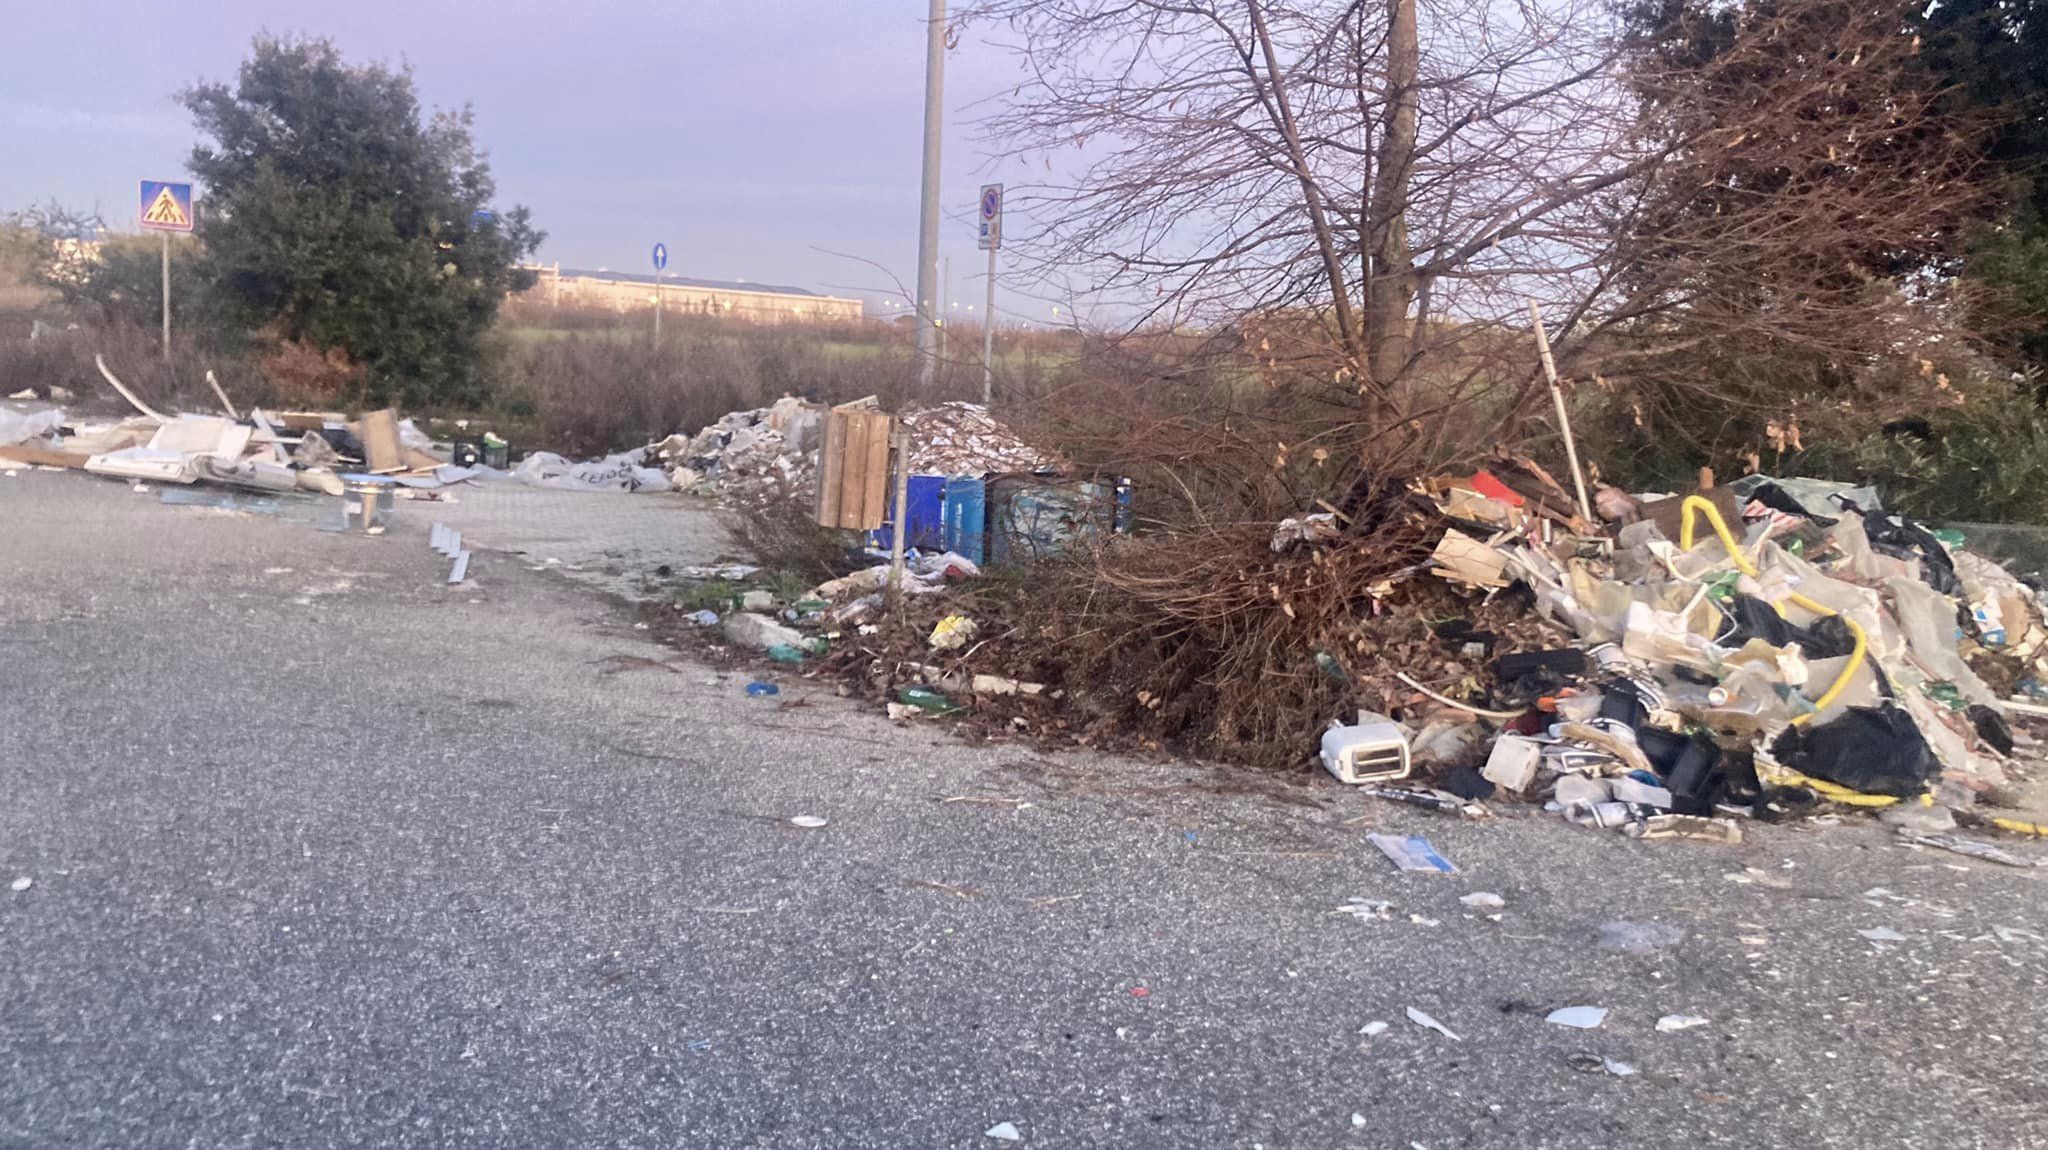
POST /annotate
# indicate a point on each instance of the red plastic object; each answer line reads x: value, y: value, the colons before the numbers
x: 1485, y: 484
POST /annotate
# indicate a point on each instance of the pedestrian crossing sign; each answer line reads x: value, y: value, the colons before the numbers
x: 166, y: 207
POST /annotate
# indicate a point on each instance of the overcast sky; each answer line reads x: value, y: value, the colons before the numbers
x: 744, y: 133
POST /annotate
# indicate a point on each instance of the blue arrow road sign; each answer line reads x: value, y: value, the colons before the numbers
x: 660, y: 257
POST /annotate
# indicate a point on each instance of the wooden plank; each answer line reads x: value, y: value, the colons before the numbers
x: 831, y: 468
x: 874, y: 500
x: 306, y: 420
x: 44, y: 456
x: 380, y: 441
x: 853, y: 471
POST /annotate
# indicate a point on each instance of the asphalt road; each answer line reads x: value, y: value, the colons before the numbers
x: 326, y: 853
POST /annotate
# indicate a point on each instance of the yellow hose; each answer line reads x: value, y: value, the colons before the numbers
x: 1692, y: 506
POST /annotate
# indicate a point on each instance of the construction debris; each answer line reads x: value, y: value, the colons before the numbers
x: 315, y: 452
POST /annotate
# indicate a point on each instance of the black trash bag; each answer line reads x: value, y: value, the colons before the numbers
x: 1467, y: 783
x: 1689, y: 765
x: 1777, y: 499
x: 1828, y: 638
x: 1527, y: 676
x: 1991, y: 727
x: 1905, y: 539
x: 1872, y: 750
x: 1756, y: 619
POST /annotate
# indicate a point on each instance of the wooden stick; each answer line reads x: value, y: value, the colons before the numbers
x: 224, y: 404
x: 1564, y: 421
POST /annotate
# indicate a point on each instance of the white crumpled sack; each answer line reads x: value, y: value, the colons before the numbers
x: 621, y: 472
x: 23, y: 426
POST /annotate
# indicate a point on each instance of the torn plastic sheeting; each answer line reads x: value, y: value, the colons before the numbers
x: 1815, y: 497
x: 22, y: 426
x: 624, y: 471
x: 1928, y: 619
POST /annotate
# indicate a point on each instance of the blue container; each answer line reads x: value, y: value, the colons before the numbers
x: 926, y: 515
x: 966, y: 520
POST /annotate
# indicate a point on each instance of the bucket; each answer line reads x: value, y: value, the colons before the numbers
x: 367, y: 502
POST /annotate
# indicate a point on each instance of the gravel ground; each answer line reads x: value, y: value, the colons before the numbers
x: 606, y: 540
x: 324, y: 852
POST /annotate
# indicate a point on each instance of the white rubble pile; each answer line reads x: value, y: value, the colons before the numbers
x: 773, y: 451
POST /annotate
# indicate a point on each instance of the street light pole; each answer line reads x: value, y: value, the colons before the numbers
x: 988, y: 335
x: 928, y: 304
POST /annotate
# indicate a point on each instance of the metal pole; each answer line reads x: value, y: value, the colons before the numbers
x: 1564, y: 421
x: 988, y: 335
x: 928, y: 210
x: 899, y: 519
x: 167, y: 296
x: 657, y: 307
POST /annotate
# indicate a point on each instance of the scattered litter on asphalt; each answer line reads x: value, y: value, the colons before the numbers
x: 1639, y: 937
x: 1586, y: 1062
x: 1004, y: 1132
x: 1411, y: 852
x: 809, y: 822
x: 758, y: 688
x: 1367, y: 910
x: 1420, y: 1019
x: 1373, y: 1029
x: 1357, y: 1120
x: 1420, y: 920
x: 1483, y: 900
x: 1673, y: 1023
x: 1882, y: 934
x: 1578, y: 1017
x: 1141, y: 992
x: 1972, y: 848
x: 21, y: 884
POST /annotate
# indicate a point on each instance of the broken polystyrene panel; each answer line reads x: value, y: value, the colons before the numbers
x: 203, y: 435
x: 1578, y: 1017
x: 1673, y: 1023
x: 460, y: 571
x: 145, y: 463
x: 260, y: 474
x: 1420, y: 1019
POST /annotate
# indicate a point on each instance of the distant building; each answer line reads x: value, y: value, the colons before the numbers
x: 680, y: 295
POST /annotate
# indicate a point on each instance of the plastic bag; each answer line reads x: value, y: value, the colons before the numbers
x: 23, y: 426
x: 1874, y: 750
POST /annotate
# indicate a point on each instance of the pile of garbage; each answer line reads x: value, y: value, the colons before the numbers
x: 1766, y: 650
x: 772, y: 452
x: 271, y: 452
x: 750, y: 455
x: 964, y: 439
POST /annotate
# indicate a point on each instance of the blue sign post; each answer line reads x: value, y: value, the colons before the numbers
x: 166, y: 208
x: 660, y: 265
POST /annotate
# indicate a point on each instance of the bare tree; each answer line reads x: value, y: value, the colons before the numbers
x: 1426, y: 159
x: 1372, y: 190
